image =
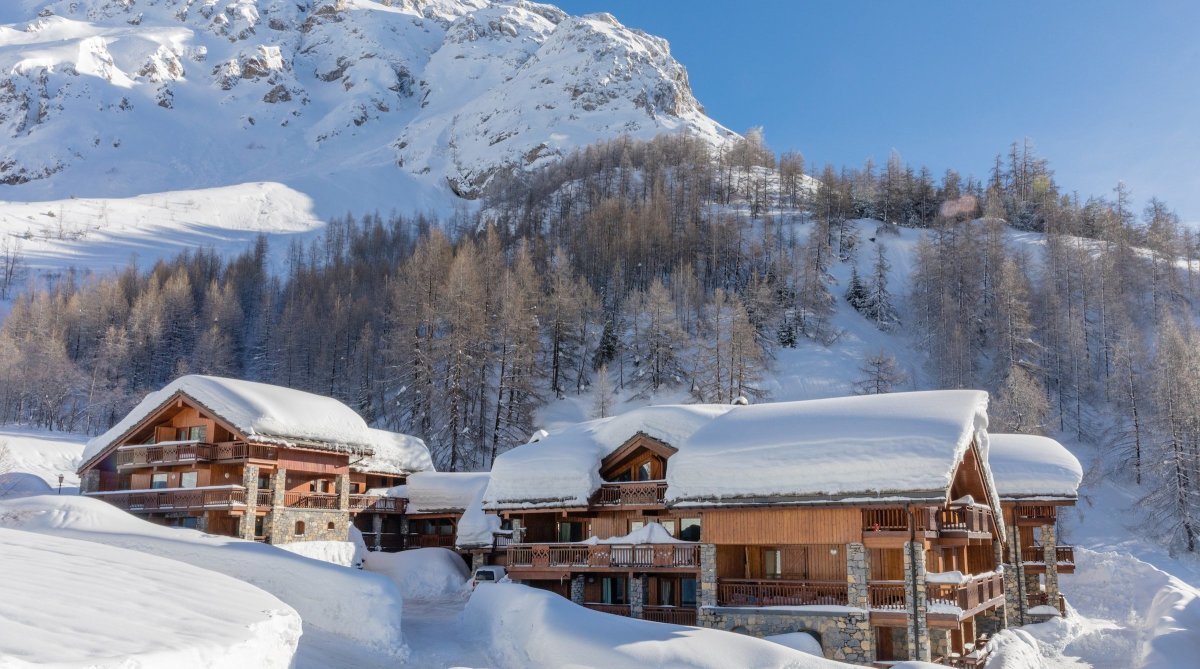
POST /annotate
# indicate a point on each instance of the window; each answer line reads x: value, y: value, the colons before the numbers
x: 189, y: 522
x: 193, y: 433
x: 299, y: 528
x: 158, y: 481
x: 188, y: 479
x: 264, y: 482
x: 613, y: 591
x: 570, y: 531
x: 259, y: 529
x: 669, y: 525
x: 666, y: 592
x: 689, y: 529
x: 772, y: 563
x: 329, y: 526
x: 687, y: 592
x: 643, y: 472
x: 635, y: 525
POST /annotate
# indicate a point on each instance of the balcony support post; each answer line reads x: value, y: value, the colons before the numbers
x: 637, y: 595
x: 1014, y: 579
x: 708, y: 576
x: 377, y: 530
x: 577, y: 583
x: 342, y: 486
x: 250, y: 483
x: 915, y: 594
x: 858, y: 571
x: 1050, y: 553
x: 276, y: 519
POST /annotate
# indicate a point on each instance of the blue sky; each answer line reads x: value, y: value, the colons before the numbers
x: 1106, y: 90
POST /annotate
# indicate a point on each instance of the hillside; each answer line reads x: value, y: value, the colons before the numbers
x: 356, y: 104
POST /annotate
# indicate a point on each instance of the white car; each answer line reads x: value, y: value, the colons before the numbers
x: 490, y: 574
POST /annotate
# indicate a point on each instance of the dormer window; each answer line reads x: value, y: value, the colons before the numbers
x: 642, y: 458
x: 192, y: 433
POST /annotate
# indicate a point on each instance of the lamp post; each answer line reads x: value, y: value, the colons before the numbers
x: 60, y: 478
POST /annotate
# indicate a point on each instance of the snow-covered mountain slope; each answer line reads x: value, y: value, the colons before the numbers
x: 359, y: 104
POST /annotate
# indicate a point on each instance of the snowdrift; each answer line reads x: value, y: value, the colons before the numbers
x: 76, y: 603
x: 1029, y: 466
x: 424, y: 573
x: 525, y: 627
x: 365, y: 608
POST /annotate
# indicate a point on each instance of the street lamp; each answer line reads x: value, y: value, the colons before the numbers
x: 60, y: 478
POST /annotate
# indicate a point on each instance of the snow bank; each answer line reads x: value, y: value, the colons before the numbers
x: 650, y: 533
x: 423, y: 573
x: 263, y: 412
x: 341, y: 553
x: 396, y: 453
x: 1029, y: 466
x: 894, y: 445
x: 801, y: 641
x: 76, y: 603
x: 563, y: 468
x: 525, y: 627
x: 349, y: 603
x: 43, y: 454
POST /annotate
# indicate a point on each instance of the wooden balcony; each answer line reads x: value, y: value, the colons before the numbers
x: 777, y: 592
x: 173, y: 453
x: 377, y: 504
x: 311, y: 500
x: 166, y: 454
x: 1034, y: 559
x: 176, y: 499
x: 590, y: 557
x: 978, y: 594
x: 964, y: 522
x: 636, y: 494
x: 614, y: 609
x: 1033, y: 599
x: 429, y: 541
x: 675, y: 615
x: 1033, y: 515
x: 887, y: 596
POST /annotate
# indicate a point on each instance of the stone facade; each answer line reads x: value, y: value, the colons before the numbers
x: 1050, y: 556
x: 577, y: 584
x: 858, y: 571
x: 843, y: 636
x: 637, y: 595
x: 939, y: 641
x: 319, y: 524
x: 708, y: 575
x: 250, y: 483
x: 914, y: 591
x: 991, y: 621
x: 1014, y: 573
x: 90, y: 481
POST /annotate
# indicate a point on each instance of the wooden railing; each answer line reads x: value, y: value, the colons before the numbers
x: 615, y: 609
x: 177, y: 498
x: 637, y: 493
x: 675, y: 615
x: 897, y: 520
x: 972, y: 519
x: 749, y: 592
x: 168, y: 454
x: 501, y: 541
x: 238, y: 450
x: 264, y: 498
x: 431, y: 541
x: 1062, y: 554
x: 603, y: 556
x: 887, y: 595
x: 377, y: 504
x: 1036, y: 514
x: 311, y: 500
x: 967, y: 596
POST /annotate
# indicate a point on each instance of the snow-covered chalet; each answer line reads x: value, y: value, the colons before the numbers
x: 872, y: 523
x: 254, y: 461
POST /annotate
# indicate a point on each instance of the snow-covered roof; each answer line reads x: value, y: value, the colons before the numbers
x: 395, y: 453
x: 1027, y: 466
x: 899, y: 446
x: 563, y: 468
x: 263, y: 413
x: 440, y: 492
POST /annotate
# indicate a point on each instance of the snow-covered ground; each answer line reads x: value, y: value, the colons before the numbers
x: 74, y: 603
x: 35, y: 459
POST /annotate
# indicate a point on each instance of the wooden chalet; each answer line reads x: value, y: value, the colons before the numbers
x: 869, y: 522
x: 1035, y: 477
x: 249, y: 460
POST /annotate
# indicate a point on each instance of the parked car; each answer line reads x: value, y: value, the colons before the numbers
x: 490, y: 574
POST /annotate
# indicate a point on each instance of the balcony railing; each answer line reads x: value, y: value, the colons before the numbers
x: 637, y: 493
x: 978, y: 592
x: 675, y: 615
x: 887, y: 595
x: 604, y: 556
x: 311, y: 500
x: 1036, y: 514
x: 964, y: 520
x: 238, y: 450
x: 144, y: 456
x: 175, y: 499
x: 377, y: 504
x: 430, y: 541
x: 771, y: 592
x: 614, y: 609
x: 1035, y: 553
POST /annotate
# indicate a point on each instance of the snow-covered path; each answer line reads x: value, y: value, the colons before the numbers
x: 436, y: 637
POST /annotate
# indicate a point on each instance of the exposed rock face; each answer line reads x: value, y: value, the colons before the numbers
x: 226, y: 91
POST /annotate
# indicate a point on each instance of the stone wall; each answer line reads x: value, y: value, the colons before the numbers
x: 577, y: 588
x: 708, y: 575
x: 914, y: 591
x: 317, y: 525
x: 991, y: 621
x: 90, y: 481
x: 843, y: 636
x: 250, y: 483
